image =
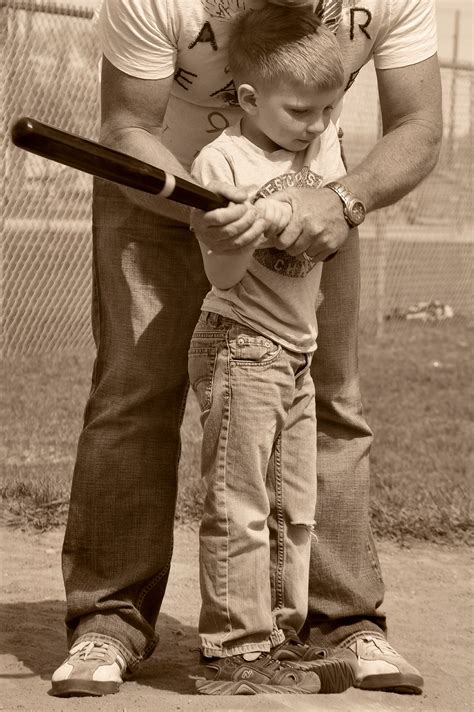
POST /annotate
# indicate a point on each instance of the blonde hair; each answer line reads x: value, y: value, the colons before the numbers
x: 277, y: 44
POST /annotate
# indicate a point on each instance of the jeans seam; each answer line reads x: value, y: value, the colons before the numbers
x: 212, y: 360
x: 227, y: 411
x: 280, y: 528
x: 180, y: 421
x: 97, y: 327
x: 373, y: 557
x: 153, y: 582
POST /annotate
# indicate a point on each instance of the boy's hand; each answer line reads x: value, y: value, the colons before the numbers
x: 317, y: 226
x: 276, y: 214
x: 229, y: 229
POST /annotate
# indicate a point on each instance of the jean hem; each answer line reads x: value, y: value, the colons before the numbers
x: 277, y: 637
x: 210, y: 651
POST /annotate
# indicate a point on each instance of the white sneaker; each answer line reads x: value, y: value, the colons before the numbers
x: 382, y: 668
x: 91, y: 668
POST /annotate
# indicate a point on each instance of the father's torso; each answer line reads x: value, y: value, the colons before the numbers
x: 203, y: 94
x: 201, y: 31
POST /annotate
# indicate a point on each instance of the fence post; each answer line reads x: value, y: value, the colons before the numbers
x: 453, y: 92
x: 4, y: 61
x: 380, y: 271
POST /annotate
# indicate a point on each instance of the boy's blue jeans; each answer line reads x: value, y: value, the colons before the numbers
x: 259, y: 469
x: 148, y: 288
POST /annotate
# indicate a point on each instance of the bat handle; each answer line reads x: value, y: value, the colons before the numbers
x: 191, y: 194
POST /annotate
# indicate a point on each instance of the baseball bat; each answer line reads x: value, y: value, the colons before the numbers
x: 91, y: 157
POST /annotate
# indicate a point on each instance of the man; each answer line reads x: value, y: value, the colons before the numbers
x: 165, y: 93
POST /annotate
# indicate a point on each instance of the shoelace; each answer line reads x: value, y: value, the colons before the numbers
x: 380, y: 644
x: 266, y: 661
x: 299, y: 647
x: 94, y: 651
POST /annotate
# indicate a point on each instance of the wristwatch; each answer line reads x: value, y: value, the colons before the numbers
x: 353, y: 208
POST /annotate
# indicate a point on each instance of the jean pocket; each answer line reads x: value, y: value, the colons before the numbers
x: 247, y: 347
x: 201, y: 363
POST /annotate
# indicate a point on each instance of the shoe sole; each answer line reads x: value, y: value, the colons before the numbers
x: 392, y: 682
x: 83, y: 688
x: 243, y: 687
x: 335, y: 675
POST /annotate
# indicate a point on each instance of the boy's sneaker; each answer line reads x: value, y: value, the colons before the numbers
x: 91, y: 668
x: 380, y: 667
x: 236, y: 675
x: 336, y: 669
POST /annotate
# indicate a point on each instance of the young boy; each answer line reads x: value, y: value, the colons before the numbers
x: 249, y: 365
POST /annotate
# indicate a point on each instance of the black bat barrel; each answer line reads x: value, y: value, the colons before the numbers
x: 91, y: 157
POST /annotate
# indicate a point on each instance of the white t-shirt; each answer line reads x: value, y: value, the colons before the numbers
x: 277, y: 295
x: 154, y: 39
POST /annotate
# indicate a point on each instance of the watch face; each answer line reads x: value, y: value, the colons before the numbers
x: 357, y: 212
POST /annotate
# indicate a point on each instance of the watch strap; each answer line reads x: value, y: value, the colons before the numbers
x: 347, y: 198
x: 341, y: 191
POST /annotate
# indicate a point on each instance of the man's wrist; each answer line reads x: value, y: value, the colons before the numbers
x: 353, y: 208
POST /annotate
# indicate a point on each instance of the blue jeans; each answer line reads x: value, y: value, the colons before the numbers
x: 258, y: 452
x: 148, y: 288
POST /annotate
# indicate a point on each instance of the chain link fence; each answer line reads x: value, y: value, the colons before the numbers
x: 416, y: 255
x: 50, y: 71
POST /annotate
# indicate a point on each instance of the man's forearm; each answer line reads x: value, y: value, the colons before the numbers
x: 147, y: 147
x: 396, y: 164
x: 410, y: 101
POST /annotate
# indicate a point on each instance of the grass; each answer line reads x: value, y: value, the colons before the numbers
x: 418, y: 390
x: 417, y: 386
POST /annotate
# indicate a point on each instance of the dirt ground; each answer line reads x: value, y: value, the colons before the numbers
x: 429, y: 603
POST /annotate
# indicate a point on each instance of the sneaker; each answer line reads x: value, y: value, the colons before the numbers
x: 336, y: 669
x: 236, y: 675
x: 382, y: 668
x: 91, y: 668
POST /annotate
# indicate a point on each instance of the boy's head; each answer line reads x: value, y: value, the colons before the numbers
x: 287, y: 68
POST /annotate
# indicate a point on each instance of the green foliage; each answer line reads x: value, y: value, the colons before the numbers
x: 417, y: 389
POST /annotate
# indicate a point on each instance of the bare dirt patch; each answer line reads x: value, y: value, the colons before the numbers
x: 428, y: 602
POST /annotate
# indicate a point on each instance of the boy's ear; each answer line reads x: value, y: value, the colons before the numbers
x: 247, y: 96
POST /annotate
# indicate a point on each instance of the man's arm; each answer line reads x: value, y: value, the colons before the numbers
x: 410, y: 102
x: 133, y: 110
x: 410, y: 99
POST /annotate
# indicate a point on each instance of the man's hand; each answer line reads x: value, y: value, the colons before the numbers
x: 229, y: 229
x: 317, y: 227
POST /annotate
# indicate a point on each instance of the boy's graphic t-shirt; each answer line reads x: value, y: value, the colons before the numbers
x: 187, y: 39
x: 277, y: 295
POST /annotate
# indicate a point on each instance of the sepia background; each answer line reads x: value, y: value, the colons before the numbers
x: 416, y: 304
x: 416, y: 353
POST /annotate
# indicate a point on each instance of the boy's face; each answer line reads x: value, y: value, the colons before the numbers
x: 291, y: 116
